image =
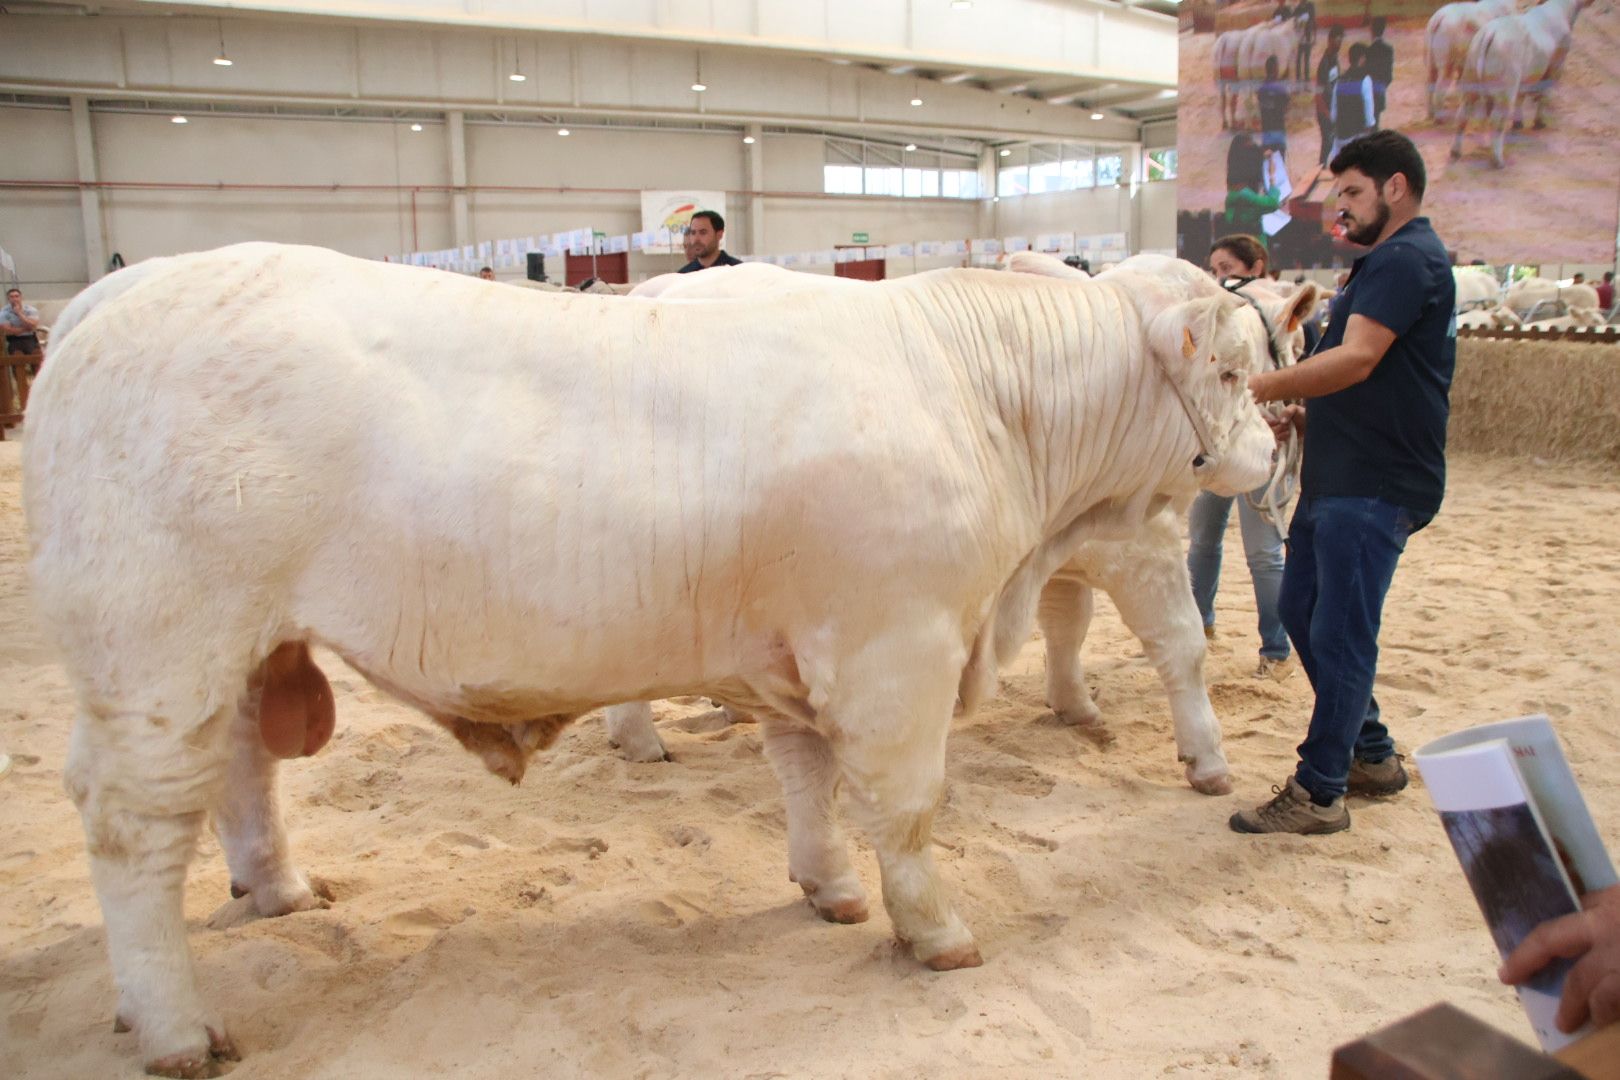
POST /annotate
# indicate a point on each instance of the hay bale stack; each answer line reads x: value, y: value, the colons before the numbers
x: 1549, y: 399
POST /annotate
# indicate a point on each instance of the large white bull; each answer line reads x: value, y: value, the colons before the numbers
x: 1513, y: 60
x: 827, y: 509
x: 1450, y: 31
x: 1145, y: 575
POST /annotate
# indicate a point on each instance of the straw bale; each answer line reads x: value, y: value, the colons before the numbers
x: 1549, y: 399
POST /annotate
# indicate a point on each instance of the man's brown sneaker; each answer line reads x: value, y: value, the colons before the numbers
x: 1292, y: 811
x: 1377, y: 777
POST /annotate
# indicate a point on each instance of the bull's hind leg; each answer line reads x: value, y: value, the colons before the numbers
x: 892, y: 708
x: 248, y: 821
x: 143, y: 782
x: 818, y: 855
x: 1065, y: 616
x: 630, y: 728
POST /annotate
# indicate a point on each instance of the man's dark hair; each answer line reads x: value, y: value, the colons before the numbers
x: 481, y: 269
x: 1381, y: 154
x: 1244, y: 248
x: 1358, y: 53
x: 1608, y: 275
x: 14, y: 289
x: 1378, y: 26
x: 714, y: 219
x: 1271, y: 67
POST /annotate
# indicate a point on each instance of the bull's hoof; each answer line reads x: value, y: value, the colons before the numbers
x: 238, y: 891
x: 1212, y: 785
x: 963, y: 956
x: 274, y: 902
x: 195, y: 1065
x: 844, y: 912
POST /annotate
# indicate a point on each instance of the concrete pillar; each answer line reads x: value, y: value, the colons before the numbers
x: 755, y: 179
x: 84, y: 146
x: 455, y: 136
x: 989, y: 210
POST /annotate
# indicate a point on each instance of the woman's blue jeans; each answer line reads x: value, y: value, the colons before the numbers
x: 1262, y: 546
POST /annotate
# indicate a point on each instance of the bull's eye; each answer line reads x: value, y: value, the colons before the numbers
x: 1231, y: 376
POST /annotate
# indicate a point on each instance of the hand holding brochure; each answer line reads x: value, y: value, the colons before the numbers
x: 1526, y: 841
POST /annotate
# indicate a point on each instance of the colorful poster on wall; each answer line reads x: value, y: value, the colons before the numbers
x: 1270, y: 90
x: 673, y: 210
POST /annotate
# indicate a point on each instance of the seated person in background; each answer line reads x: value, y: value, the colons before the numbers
x: 487, y: 273
x: 705, y: 234
x: 1592, y: 939
x: 19, y: 321
x: 1239, y: 256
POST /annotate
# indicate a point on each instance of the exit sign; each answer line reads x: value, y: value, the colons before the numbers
x: 859, y: 238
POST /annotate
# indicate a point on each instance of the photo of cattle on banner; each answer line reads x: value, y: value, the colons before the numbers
x: 1511, y: 102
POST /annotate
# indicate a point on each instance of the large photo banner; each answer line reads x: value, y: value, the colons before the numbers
x: 666, y: 214
x: 1514, y: 104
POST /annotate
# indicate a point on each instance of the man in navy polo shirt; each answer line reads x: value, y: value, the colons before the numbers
x: 704, y: 235
x: 1374, y: 471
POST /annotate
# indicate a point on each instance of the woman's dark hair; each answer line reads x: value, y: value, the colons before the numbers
x: 1245, y: 163
x: 1245, y: 249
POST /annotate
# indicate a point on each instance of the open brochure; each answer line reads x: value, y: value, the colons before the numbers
x: 1526, y: 841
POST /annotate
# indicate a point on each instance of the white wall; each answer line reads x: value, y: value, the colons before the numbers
x: 355, y: 181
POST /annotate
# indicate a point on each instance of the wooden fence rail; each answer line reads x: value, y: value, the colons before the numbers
x: 1599, y: 335
x: 15, y: 380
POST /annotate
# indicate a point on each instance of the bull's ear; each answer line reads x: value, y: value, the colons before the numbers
x: 1182, y: 336
x: 1033, y: 262
x: 1298, y: 307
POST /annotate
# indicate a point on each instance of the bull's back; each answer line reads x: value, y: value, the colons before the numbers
x: 580, y: 480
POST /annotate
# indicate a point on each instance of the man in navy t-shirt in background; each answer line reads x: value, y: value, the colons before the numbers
x: 1374, y: 471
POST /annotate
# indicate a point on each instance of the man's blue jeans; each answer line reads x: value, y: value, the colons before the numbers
x: 1342, y: 553
x: 1206, y: 527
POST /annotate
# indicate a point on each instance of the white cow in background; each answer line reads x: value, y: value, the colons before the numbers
x: 1511, y: 61
x: 1450, y: 31
x: 1278, y: 39
x: 1493, y: 318
x: 1577, y: 318
x: 1475, y: 288
x: 832, y: 510
x: 1145, y: 575
x: 1525, y: 294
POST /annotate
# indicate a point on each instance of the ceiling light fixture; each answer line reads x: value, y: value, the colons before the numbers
x: 910, y: 146
x: 916, y: 92
x: 177, y: 120
x: 416, y: 127
x: 1006, y: 152
x: 1096, y: 116
x: 517, y: 67
x: 222, y: 60
x: 563, y: 132
x: 748, y: 140
x: 698, y: 85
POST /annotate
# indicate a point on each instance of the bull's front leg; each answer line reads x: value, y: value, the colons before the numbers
x: 141, y: 784
x: 818, y: 855
x: 1156, y: 604
x: 630, y: 728
x: 1065, y: 615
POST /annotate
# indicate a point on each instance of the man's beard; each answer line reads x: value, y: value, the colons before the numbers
x: 1367, y: 235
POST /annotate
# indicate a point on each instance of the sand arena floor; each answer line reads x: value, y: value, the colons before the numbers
x: 609, y: 919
